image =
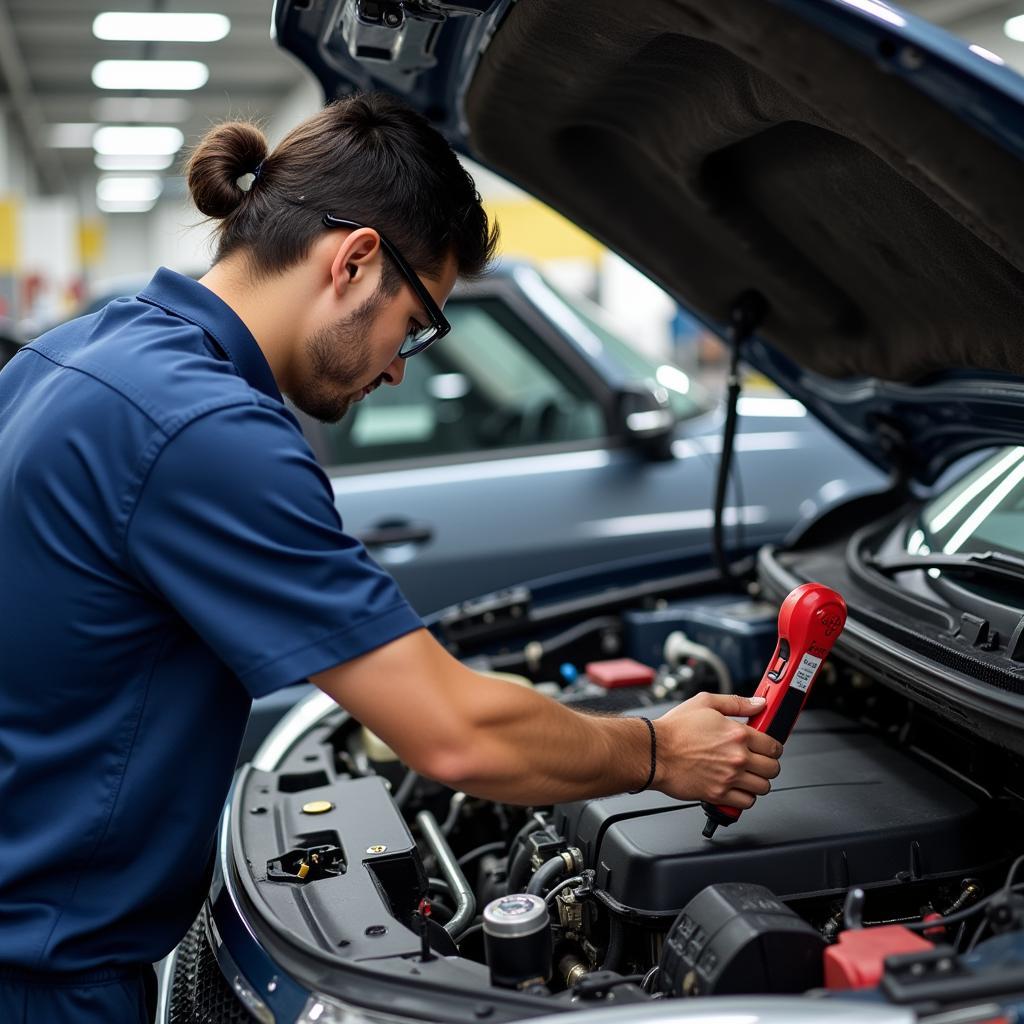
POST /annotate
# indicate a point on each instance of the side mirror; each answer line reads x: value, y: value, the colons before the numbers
x: 646, y: 418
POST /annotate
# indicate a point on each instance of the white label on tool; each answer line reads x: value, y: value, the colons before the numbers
x: 805, y: 672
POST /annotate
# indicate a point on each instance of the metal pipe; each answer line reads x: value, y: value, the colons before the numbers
x: 465, y: 901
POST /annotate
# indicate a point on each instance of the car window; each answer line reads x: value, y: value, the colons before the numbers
x: 687, y: 397
x: 982, y: 512
x: 492, y: 383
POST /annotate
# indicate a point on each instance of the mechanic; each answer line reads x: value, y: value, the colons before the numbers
x: 171, y: 550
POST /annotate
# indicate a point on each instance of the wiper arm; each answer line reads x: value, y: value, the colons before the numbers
x: 982, y: 563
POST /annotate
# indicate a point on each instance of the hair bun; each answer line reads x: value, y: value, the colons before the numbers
x: 224, y: 154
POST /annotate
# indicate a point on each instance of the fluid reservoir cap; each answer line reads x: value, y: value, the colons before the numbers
x: 317, y: 807
x: 515, y: 915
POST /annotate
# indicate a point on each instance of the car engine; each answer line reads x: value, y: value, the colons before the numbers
x: 888, y: 836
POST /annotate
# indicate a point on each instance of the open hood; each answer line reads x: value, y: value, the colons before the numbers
x: 857, y: 167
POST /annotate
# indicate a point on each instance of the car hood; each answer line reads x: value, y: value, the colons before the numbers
x: 857, y: 167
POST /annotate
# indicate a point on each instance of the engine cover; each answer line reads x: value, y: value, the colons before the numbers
x: 846, y: 810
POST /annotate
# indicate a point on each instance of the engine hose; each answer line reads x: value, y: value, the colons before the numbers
x: 616, y: 946
x: 678, y: 647
x: 547, y: 875
x: 518, y: 870
x: 519, y: 855
x: 405, y: 789
x: 465, y: 901
x: 481, y: 851
x: 520, y: 659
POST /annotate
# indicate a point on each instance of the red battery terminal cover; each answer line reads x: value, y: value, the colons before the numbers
x: 857, y: 960
x: 619, y: 672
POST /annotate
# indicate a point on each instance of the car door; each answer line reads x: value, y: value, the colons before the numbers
x: 479, y: 470
x: 500, y: 459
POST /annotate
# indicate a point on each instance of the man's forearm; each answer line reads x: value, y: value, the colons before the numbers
x: 494, y: 739
x: 522, y: 747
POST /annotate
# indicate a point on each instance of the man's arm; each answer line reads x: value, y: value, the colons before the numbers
x: 498, y: 740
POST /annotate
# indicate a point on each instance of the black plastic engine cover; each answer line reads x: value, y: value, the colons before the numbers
x: 846, y: 810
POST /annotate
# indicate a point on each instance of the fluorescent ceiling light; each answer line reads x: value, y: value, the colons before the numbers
x: 143, y: 188
x: 128, y: 162
x: 70, y: 135
x: 161, y: 28
x: 141, y: 108
x: 118, y: 207
x: 150, y: 74
x: 987, y: 54
x: 1014, y: 28
x: 144, y: 140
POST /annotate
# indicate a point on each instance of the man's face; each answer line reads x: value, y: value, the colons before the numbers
x: 351, y: 357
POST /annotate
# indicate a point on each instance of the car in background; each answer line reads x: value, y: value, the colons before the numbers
x: 834, y: 185
x: 537, y: 441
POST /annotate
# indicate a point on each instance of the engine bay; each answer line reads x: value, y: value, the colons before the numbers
x: 888, y: 841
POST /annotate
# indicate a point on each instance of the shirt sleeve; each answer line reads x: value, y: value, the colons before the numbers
x: 235, y: 527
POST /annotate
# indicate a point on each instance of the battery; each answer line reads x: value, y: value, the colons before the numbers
x: 742, y: 632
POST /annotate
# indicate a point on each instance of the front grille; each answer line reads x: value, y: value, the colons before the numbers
x: 200, y: 994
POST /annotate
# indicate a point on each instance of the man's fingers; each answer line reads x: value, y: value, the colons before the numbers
x: 733, y: 705
x: 737, y: 798
x: 766, y: 767
x: 762, y: 743
x: 753, y: 784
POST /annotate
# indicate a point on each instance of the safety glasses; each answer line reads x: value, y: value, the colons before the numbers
x: 419, y: 336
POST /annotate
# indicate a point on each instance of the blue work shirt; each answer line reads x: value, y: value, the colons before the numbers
x: 169, y: 549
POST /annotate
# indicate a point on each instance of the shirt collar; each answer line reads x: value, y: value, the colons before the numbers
x: 186, y: 298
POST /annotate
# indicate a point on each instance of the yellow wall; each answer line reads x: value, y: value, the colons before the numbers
x: 91, y: 238
x: 531, y: 230
x: 8, y: 235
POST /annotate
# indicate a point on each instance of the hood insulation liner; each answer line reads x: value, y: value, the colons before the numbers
x: 724, y: 145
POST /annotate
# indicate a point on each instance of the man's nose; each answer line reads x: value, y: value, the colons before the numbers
x: 395, y: 372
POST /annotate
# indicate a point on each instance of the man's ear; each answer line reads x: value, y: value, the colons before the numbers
x: 356, y: 256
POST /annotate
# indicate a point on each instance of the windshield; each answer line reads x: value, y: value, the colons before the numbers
x: 984, y: 511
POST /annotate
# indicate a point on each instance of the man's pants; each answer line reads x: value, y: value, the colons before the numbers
x: 114, y: 996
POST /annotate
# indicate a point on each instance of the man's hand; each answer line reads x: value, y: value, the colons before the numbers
x: 703, y: 755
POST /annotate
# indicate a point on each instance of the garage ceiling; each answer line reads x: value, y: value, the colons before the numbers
x: 52, y: 40
x: 47, y: 52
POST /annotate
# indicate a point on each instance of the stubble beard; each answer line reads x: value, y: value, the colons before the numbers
x: 340, y: 358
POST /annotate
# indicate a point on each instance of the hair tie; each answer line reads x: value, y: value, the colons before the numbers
x: 246, y: 181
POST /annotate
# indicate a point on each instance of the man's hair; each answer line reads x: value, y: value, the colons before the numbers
x: 367, y: 158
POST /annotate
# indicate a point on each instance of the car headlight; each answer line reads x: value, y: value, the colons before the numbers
x: 327, y: 1010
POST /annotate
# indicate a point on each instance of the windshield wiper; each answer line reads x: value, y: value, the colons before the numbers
x: 982, y: 563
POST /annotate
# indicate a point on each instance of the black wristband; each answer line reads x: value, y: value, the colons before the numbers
x: 654, y: 758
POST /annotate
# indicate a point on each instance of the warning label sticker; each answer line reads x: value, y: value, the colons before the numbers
x: 805, y: 672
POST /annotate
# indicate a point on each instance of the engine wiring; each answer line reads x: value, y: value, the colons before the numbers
x: 968, y: 912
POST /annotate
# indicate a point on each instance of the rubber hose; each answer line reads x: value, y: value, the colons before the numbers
x: 481, y: 851
x: 518, y: 870
x: 519, y: 865
x: 546, y: 875
x: 616, y: 946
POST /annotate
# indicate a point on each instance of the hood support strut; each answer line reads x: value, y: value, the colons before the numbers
x: 748, y: 313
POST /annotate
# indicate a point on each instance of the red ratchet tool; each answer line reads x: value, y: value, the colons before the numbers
x: 810, y: 620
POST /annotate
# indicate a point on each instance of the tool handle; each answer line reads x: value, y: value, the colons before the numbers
x: 810, y: 620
